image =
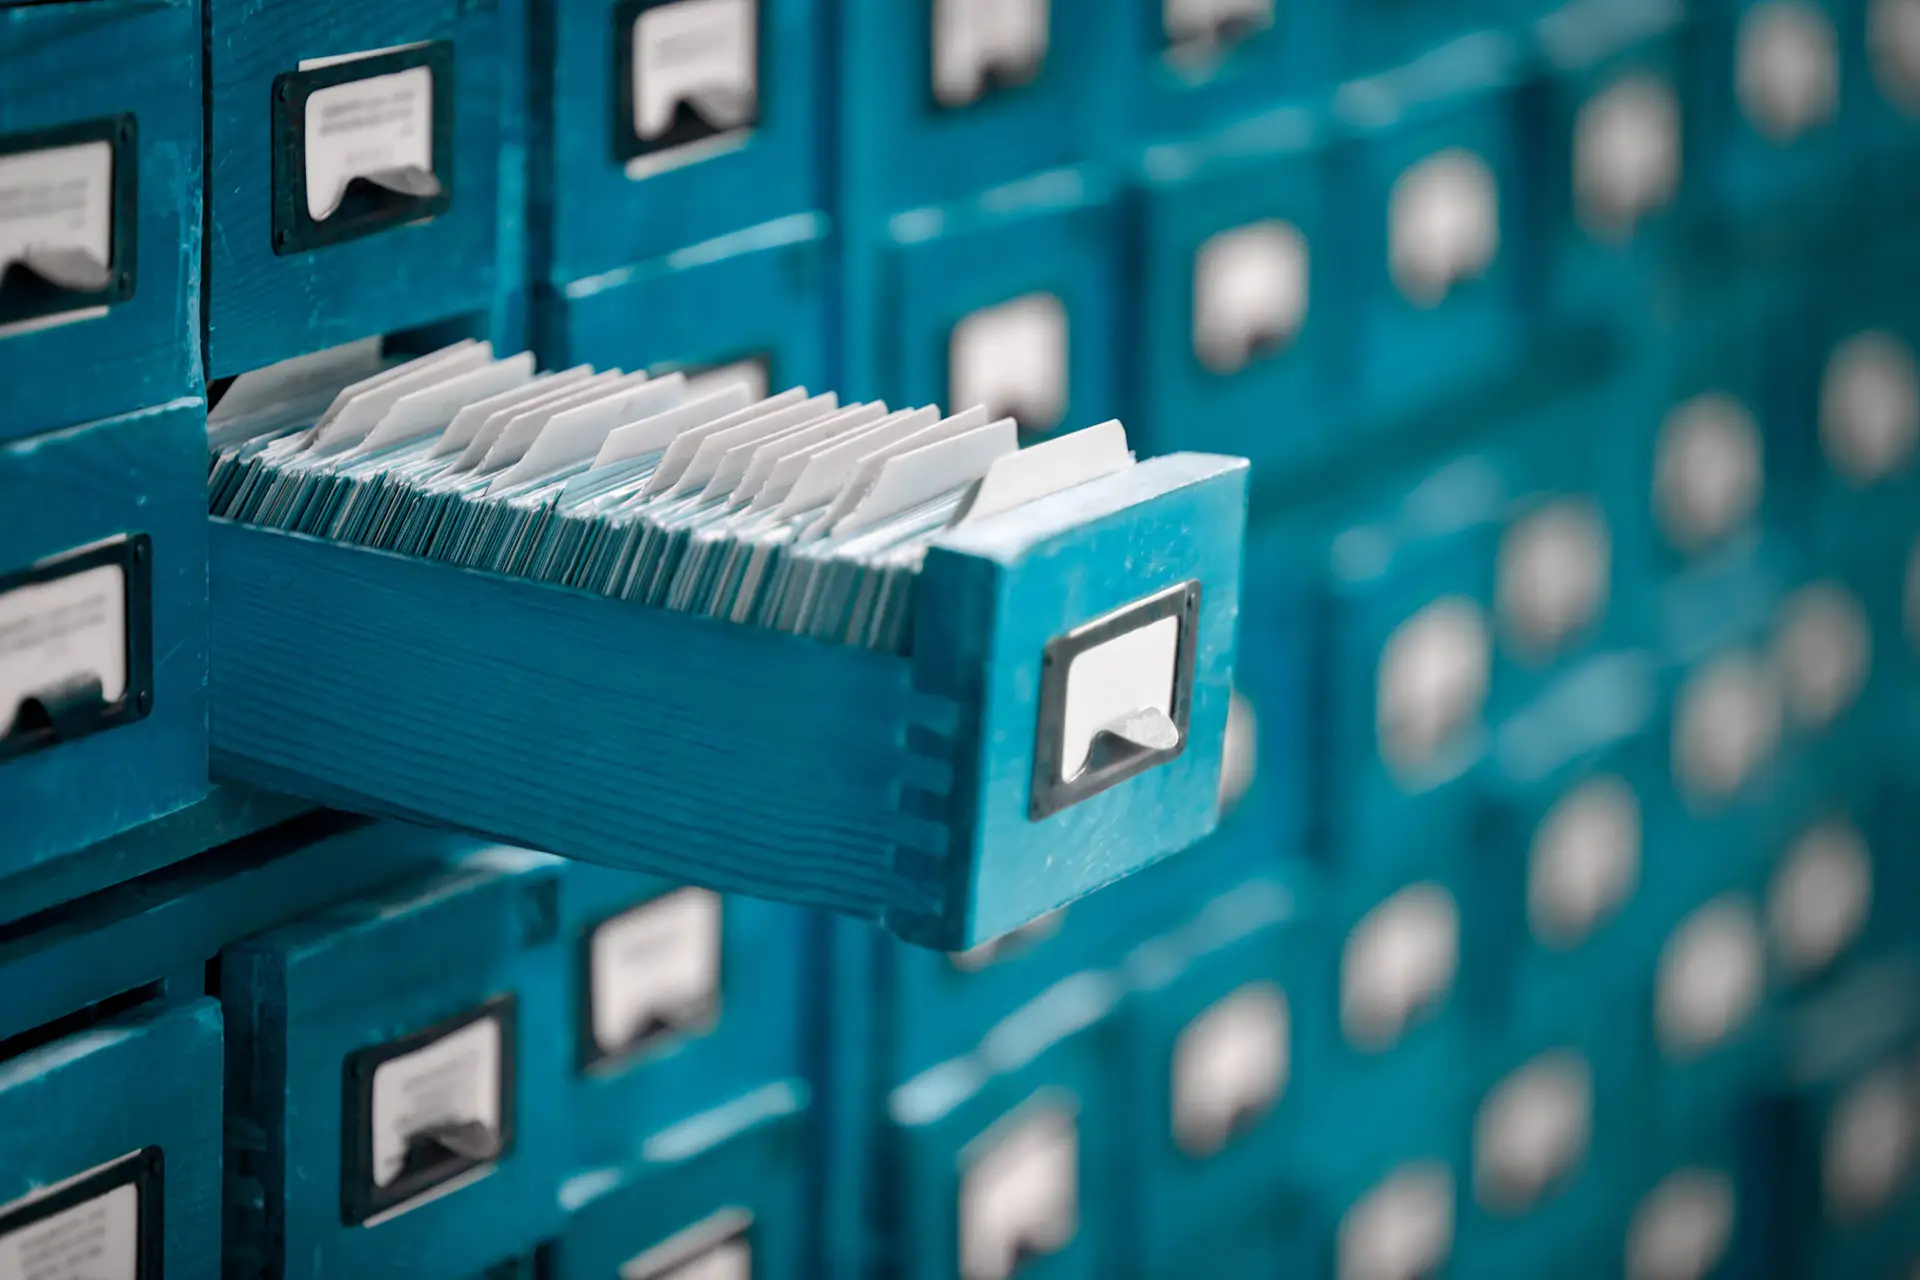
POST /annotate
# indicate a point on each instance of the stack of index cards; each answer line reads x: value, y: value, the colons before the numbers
x: 792, y: 512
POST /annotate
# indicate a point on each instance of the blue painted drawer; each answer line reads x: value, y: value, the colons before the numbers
x: 354, y: 175
x: 1559, y: 1135
x: 103, y: 98
x: 930, y: 1006
x: 1243, y: 304
x: 919, y: 810
x: 1384, y: 33
x: 1009, y: 1151
x: 660, y: 124
x: 396, y: 1103
x: 1713, y: 456
x: 1784, y: 98
x: 1400, y: 610
x: 681, y: 1000
x: 1619, y: 172
x: 1208, y: 1051
x: 158, y: 933
x: 1835, y: 1149
x: 1186, y: 68
x: 1394, y: 1013
x: 724, y: 1192
x: 103, y: 538
x: 1444, y: 235
x: 762, y: 296
x: 1010, y: 301
x: 938, y: 99
x: 110, y: 1136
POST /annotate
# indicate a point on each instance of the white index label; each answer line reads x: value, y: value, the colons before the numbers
x: 1020, y: 1196
x: 1443, y: 225
x: 714, y: 1249
x: 700, y: 52
x: 1402, y: 1229
x: 1708, y: 472
x: 1585, y: 861
x: 1680, y: 1231
x: 655, y: 966
x: 1626, y: 154
x: 1870, y: 406
x: 376, y: 128
x: 1249, y: 293
x: 58, y: 202
x: 1431, y: 685
x: 454, y: 1080
x: 1711, y: 977
x: 1229, y: 1067
x: 974, y: 38
x: 1532, y: 1131
x: 1012, y: 359
x: 1787, y: 69
x: 97, y: 1239
x: 1213, y: 22
x: 1116, y: 680
x: 1398, y: 964
x: 1870, y: 1145
x: 1893, y: 41
x: 1553, y: 572
x: 55, y: 633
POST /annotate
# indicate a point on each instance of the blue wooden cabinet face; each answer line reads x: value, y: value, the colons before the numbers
x: 1387, y: 33
x: 666, y: 123
x: 101, y: 120
x: 112, y: 1135
x: 1785, y: 98
x: 1442, y: 229
x: 1408, y: 980
x: 1012, y: 309
x: 1241, y: 298
x: 1208, y: 1048
x: 938, y: 99
x: 1016, y: 1166
x: 1713, y: 456
x: 103, y: 538
x: 721, y: 1193
x: 936, y: 1005
x: 1830, y: 1156
x: 1406, y: 630
x: 682, y: 1000
x: 401, y: 1073
x: 356, y: 163
x: 761, y: 298
x: 1555, y: 1150
x: 1190, y: 66
x: 1621, y: 155
x: 1852, y: 353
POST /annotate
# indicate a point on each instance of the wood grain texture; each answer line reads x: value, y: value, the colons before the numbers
x: 710, y: 753
x: 263, y: 306
x: 141, y: 473
x: 300, y: 999
x: 83, y: 61
x: 990, y: 598
x: 165, y: 927
x: 93, y: 1097
x: 745, y: 760
x: 225, y: 815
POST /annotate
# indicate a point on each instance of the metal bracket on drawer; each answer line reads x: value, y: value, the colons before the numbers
x: 1114, y: 699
